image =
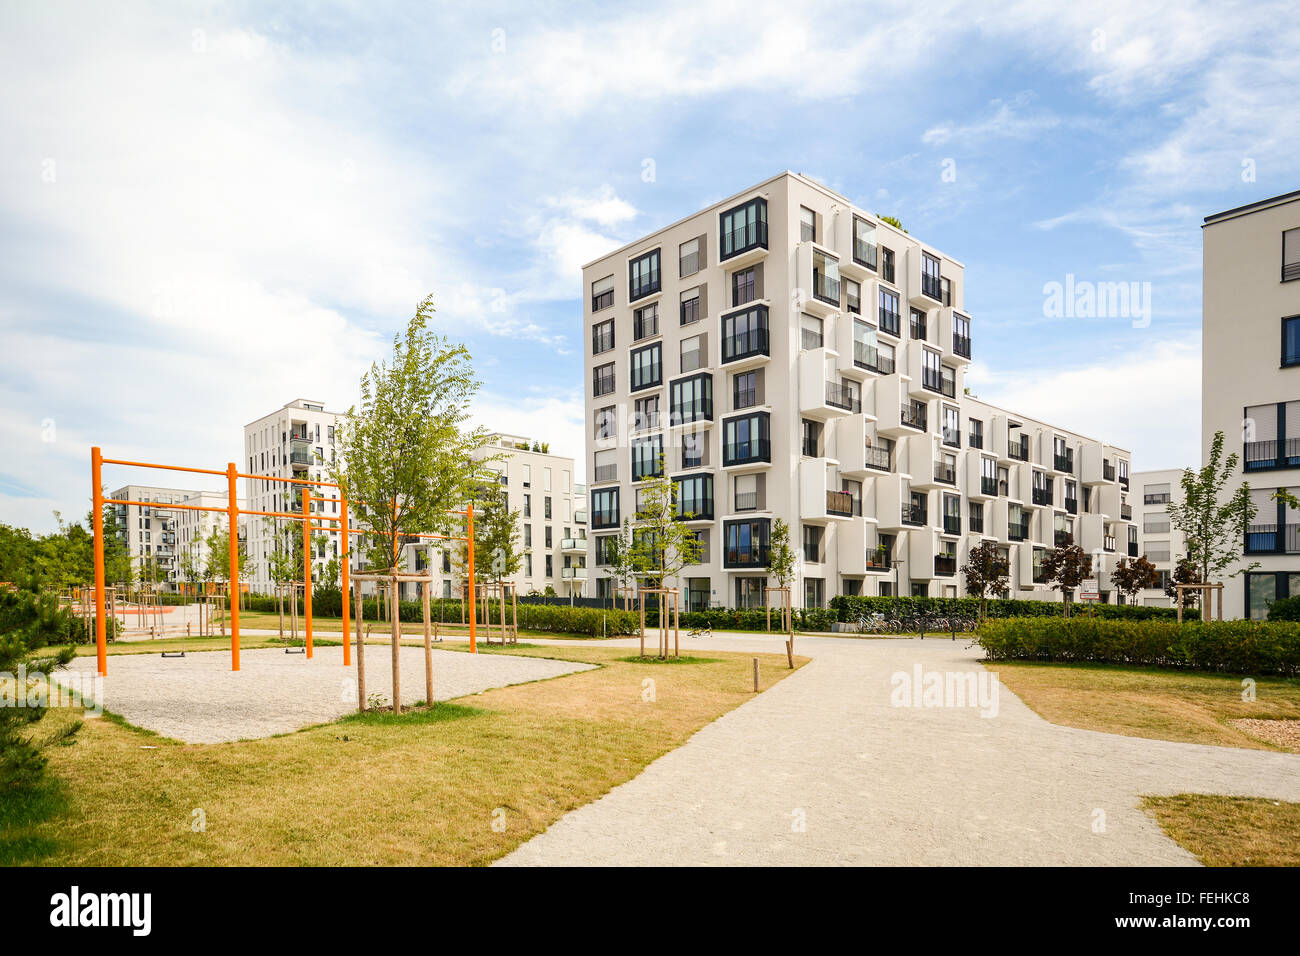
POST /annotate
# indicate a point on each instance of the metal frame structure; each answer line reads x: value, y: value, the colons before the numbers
x: 232, y: 510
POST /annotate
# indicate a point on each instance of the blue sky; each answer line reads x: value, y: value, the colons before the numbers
x: 208, y: 210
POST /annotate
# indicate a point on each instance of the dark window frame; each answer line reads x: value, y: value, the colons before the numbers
x: 637, y: 291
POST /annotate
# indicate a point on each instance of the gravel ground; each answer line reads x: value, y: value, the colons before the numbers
x: 198, y: 699
x: 822, y: 769
x: 1283, y: 733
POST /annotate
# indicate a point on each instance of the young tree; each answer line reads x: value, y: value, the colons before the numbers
x: 1066, y: 568
x: 663, y: 544
x: 781, y: 563
x: 1185, y: 572
x: 216, y: 565
x: 1130, y: 577
x: 496, y: 535
x: 986, y: 572
x: 406, y: 456
x: 623, y: 562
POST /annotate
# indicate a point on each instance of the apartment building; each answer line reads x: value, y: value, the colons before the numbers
x: 295, y: 441
x: 550, y: 505
x: 1250, y: 381
x: 163, y: 535
x: 1158, y: 539
x: 785, y: 354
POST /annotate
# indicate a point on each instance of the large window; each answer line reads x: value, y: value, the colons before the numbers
x: 931, y: 284
x: 602, y: 337
x: 807, y: 225
x: 931, y: 377
x: 1291, y: 340
x: 647, y: 457
x: 692, y: 399
x: 742, y: 228
x: 951, y: 426
x: 745, y: 389
x: 961, y: 335
x: 606, y: 423
x: 692, y: 306
x: 643, y: 275
x: 690, y: 257
x: 746, y: 439
x: 826, y: 278
x: 602, y: 293
x: 745, y: 333
x: 747, y: 543
x: 695, y: 497
x: 602, y: 379
x: 864, y: 243
x: 647, y: 367
x: 888, y: 320
x: 645, y: 322
x: 604, y: 508
x: 744, y: 286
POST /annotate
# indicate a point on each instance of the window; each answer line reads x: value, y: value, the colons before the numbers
x: 647, y: 458
x: 643, y: 275
x: 606, y: 549
x: 602, y: 379
x: 976, y: 433
x: 695, y: 497
x: 645, y: 322
x: 745, y: 333
x: 945, y: 291
x: 810, y: 332
x: 810, y: 445
x: 852, y: 297
x: 692, y: 307
x: 692, y: 399
x: 951, y: 426
x: 742, y: 228
x: 888, y: 320
x: 748, y: 491
x: 930, y: 284
x: 747, y: 543
x: 606, y: 422
x: 812, y: 543
x: 864, y: 244
x: 826, y: 278
x: 930, y: 374
x: 745, y: 389
x: 604, y: 508
x: 645, y: 413
x: 695, y: 448
x: 695, y: 353
x: 1291, y: 338
x: 948, y: 382
x: 918, y: 324
x: 647, y: 370
x: 807, y: 225
x: 1290, y: 255
x: 887, y: 264
x: 744, y: 286
x: 690, y: 257
x: 602, y: 293
x: 606, y: 465
x: 961, y: 335
x: 977, y: 517
x: 528, y: 507
x: 602, y: 337
x: 746, y: 439
x: 549, y: 541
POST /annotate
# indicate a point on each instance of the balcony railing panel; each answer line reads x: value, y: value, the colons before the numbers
x: 877, y: 458
x: 841, y: 395
x: 839, y: 503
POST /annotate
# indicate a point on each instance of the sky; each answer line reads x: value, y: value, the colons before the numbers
x: 208, y: 210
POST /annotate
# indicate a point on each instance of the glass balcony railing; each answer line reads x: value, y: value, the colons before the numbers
x: 913, y: 414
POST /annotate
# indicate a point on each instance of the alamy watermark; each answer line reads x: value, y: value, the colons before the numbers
x: 1081, y: 299
x: 73, y: 689
x: 922, y: 688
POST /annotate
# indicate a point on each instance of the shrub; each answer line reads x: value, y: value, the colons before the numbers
x: 1235, y: 647
x: 1287, y: 609
x: 851, y: 607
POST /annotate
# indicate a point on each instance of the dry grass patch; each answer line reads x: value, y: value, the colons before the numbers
x: 1146, y: 702
x: 417, y: 789
x: 1231, y: 831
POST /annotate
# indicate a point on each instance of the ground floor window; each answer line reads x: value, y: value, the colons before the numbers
x: 1265, y: 587
x: 886, y: 588
x: 697, y: 594
x: 851, y: 587
x: 921, y: 590
x: 749, y: 592
x: 604, y: 587
x: 814, y: 592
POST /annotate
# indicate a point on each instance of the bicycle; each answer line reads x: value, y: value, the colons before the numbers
x: 705, y: 631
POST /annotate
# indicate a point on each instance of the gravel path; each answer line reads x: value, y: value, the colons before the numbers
x: 822, y: 769
x: 198, y: 699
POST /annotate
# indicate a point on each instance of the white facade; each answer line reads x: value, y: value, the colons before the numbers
x: 1250, y: 390
x: 165, y: 534
x: 1158, y: 539
x: 791, y: 356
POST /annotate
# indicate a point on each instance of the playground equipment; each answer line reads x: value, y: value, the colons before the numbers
x: 233, y: 511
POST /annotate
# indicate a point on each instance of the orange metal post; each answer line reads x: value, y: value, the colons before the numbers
x: 97, y: 522
x: 473, y: 641
x: 306, y: 563
x: 347, y: 590
x: 232, y: 506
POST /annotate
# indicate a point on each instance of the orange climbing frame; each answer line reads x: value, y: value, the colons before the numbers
x: 233, y: 511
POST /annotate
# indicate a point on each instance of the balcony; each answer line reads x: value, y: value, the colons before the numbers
x: 1126, y: 512
x: 1061, y: 538
x: 1132, y: 549
x: 573, y: 574
x: 753, y: 556
x: 932, y: 286
x: 913, y: 414
x: 1018, y: 530
x: 1042, y: 496
x: 1260, y: 455
x: 945, y: 565
x: 841, y: 503
x: 580, y: 516
x: 961, y: 345
x: 573, y: 545
x: 877, y: 458
x: 301, y: 455
x: 914, y: 515
x: 1266, y: 539
x: 1108, y: 543
x: 945, y: 474
x: 1072, y: 505
x: 841, y: 395
x: 988, y: 486
x: 826, y: 289
x: 870, y: 358
x: 1018, y: 449
x: 952, y: 524
x: 1064, y: 463
x: 1107, y: 471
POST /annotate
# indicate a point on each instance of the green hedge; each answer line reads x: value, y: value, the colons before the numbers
x: 1235, y: 647
x: 851, y: 607
x: 748, y: 618
x: 1286, y: 609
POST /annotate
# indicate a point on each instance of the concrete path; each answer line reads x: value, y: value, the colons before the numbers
x: 823, y: 769
x: 198, y: 699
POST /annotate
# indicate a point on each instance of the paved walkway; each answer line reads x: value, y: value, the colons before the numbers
x: 821, y: 769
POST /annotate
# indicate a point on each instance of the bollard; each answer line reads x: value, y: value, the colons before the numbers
x: 755, y: 675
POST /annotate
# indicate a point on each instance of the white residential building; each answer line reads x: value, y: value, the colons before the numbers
x: 788, y: 355
x: 1250, y: 381
x: 1158, y: 539
x: 164, y: 534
